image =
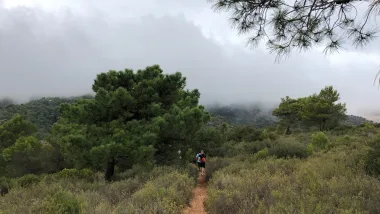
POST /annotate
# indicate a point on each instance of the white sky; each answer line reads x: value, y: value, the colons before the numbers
x: 216, y: 61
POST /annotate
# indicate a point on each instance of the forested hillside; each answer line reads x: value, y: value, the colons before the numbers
x: 43, y: 112
x: 244, y: 115
x: 261, y: 117
x: 355, y: 120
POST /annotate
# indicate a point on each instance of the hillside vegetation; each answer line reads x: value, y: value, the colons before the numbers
x: 129, y: 149
x: 43, y: 113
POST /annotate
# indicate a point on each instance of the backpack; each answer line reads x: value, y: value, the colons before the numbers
x: 203, y: 159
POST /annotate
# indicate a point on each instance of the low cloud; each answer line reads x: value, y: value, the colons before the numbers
x: 59, y: 54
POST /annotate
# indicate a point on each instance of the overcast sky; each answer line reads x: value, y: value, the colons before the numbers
x: 56, y: 49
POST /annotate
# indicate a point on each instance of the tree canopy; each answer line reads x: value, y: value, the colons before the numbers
x: 13, y: 129
x: 140, y: 117
x: 301, y: 23
x: 317, y: 109
x: 21, y: 152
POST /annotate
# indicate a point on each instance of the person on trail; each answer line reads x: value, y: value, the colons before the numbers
x: 198, y: 161
x: 201, y: 158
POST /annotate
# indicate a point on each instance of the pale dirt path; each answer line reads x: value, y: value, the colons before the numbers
x: 199, y: 196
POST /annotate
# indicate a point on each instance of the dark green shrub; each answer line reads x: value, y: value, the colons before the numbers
x: 215, y: 164
x: 262, y: 154
x: 86, y: 174
x: 136, y: 171
x: 319, y: 140
x: 267, y: 134
x: 60, y: 202
x: 342, y: 129
x: 249, y: 147
x: 4, y: 186
x: 372, y: 163
x: 228, y: 149
x: 253, y: 147
x: 289, y: 147
x: 244, y: 133
x: 28, y: 179
x: 366, y: 128
x: 192, y: 171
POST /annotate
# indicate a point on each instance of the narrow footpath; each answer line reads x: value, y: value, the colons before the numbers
x: 199, y: 196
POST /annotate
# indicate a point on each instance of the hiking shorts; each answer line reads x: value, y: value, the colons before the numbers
x: 202, y: 165
x: 199, y: 164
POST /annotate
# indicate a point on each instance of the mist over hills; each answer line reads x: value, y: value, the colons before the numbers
x: 246, y: 114
x: 44, y: 112
x: 261, y: 116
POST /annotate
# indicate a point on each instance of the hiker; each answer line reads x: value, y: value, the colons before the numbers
x: 198, y: 161
x: 201, y: 159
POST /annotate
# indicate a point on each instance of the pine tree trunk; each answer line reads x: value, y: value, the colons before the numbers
x: 287, y: 131
x: 3, y: 191
x: 323, y: 124
x: 110, y: 169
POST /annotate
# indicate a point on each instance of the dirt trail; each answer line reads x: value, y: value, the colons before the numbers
x: 199, y: 196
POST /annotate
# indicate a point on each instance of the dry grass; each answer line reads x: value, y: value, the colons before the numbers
x: 164, y: 190
x: 330, y: 181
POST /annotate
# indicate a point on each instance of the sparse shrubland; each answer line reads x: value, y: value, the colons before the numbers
x: 129, y: 150
x: 329, y: 181
x: 164, y: 189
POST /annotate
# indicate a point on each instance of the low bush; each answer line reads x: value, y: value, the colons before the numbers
x: 168, y: 193
x: 119, y: 191
x: 86, y: 174
x: 249, y: 147
x: 289, y: 147
x: 192, y: 171
x: 244, y: 133
x: 262, y: 154
x: 366, y: 129
x: 342, y: 129
x: 319, y: 140
x: 373, y: 159
x: 4, y: 186
x: 325, y: 183
x: 267, y: 134
x: 136, y: 171
x: 215, y: 164
x: 60, y: 202
x: 341, y: 140
x: 28, y: 179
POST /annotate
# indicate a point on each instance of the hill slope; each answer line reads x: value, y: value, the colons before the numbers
x: 262, y: 117
x: 42, y: 112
